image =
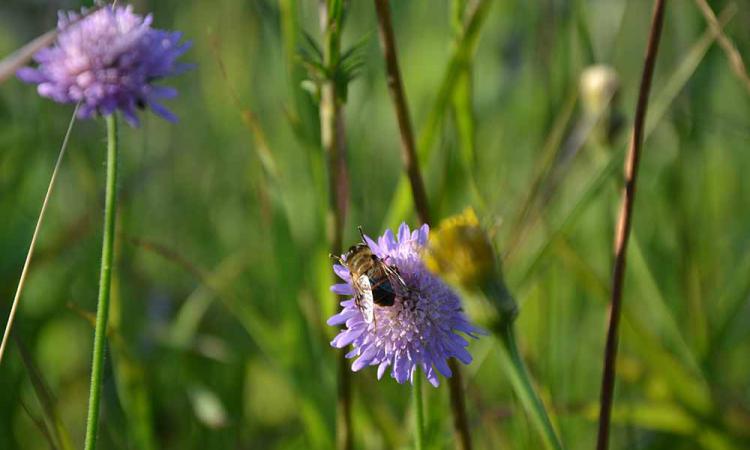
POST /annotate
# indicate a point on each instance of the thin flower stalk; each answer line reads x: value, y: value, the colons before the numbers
x: 419, y: 193
x: 398, y: 96
x: 332, y: 137
x: 105, y: 277
x: 418, y: 413
x: 622, y: 233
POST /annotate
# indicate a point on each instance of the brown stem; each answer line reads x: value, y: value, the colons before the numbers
x: 332, y: 139
x: 396, y: 89
x: 458, y: 406
x: 411, y: 164
x: 624, y: 223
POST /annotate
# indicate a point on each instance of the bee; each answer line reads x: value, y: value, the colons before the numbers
x: 374, y: 281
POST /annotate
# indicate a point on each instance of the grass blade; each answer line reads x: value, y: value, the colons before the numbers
x: 55, y: 426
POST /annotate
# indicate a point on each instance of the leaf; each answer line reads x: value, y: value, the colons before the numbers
x: 55, y: 425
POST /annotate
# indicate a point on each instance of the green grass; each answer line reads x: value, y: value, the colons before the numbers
x: 217, y: 335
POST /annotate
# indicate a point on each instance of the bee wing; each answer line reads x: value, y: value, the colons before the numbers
x: 393, y: 275
x: 366, y: 302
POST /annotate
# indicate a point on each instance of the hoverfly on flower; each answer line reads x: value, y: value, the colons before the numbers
x: 373, y: 280
x: 420, y: 326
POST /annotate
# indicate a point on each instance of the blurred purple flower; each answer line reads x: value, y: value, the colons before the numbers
x: 419, y: 330
x: 108, y: 60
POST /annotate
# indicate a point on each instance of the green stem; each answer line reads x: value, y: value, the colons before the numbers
x: 332, y: 139
x: 418, y: 411
x: 102, y: 310
x: 524, y: 387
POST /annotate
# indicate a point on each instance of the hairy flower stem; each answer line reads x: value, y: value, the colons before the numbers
x: 411, y: 164
x: 418, y: 411
x: 102, y: 309
x: 622, y: 232
x: 332, y: 138
x: 523, y: 385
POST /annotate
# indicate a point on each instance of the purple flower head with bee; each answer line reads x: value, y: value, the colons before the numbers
x: 418, y: 325
x: 108, y: 60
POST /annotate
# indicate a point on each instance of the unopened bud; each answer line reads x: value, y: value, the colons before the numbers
x: 600, y: 87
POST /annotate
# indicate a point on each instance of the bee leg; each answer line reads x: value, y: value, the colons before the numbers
x: 336, y: 258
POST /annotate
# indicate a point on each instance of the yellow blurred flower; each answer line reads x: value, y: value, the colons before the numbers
x: 461, y: 252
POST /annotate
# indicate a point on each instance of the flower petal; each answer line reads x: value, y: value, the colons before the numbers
x: 346, y: 337
x: 162, y: 111
x: 341, y: 317
x: 381, y: 368
x: 431, y: 375
x: 388, y: 240
x: 401, y: 368
x: 424, y: 234
x: 342, y: 272
x: 365, y: 359
x: 29, y: 75
x: 342, y: 289
x: 403, y: 233
x: 442, y: 366
x: 374, y: 247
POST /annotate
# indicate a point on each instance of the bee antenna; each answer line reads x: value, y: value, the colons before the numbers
x: 362, y: 234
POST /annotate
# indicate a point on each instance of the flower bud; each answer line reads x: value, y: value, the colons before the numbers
x: 600, y: 87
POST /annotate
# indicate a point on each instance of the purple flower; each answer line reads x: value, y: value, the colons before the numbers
x: 418, y: 330
x: 108, y: 60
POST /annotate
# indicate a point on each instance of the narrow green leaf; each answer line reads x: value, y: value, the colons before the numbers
x: 52, y: 420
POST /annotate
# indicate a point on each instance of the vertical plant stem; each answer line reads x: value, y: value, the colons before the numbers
x: 396, y: 89
x: 465, y: 48
x: 458, y: 406
x: 332, y: 139
x: 411, y: 164
x: 35, y: 235
x: 102, y: 309
x: 418, y: 410
x: 524, y: 386
x: 622, y: 232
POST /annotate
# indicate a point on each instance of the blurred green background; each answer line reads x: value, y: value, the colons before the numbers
x: 218, y: 335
